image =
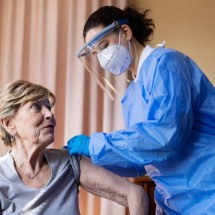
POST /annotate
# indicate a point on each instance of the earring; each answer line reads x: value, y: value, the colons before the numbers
x: 11, y: 138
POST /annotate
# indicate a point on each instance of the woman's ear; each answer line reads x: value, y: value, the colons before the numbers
x: 127, y: 31
x: 8, y: 125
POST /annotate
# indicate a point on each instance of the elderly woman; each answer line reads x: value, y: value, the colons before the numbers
x: 37, y: 180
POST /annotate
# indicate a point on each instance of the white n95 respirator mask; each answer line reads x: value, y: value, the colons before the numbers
x: 115, y: 59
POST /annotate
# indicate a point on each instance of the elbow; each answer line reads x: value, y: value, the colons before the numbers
x: 138, y: 201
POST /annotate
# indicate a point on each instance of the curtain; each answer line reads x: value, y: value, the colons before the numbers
x: 39, y: 40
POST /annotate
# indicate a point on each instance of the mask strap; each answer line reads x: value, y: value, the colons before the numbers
x: 129, y: 44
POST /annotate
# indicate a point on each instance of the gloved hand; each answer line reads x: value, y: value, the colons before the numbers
x: 79, y: 145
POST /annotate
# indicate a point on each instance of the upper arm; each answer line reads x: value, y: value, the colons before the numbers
x: 169, y: 109
x: 100, y: 182
x: 103, y: 183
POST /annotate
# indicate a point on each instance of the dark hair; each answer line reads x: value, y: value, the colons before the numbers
x: 141, y: 26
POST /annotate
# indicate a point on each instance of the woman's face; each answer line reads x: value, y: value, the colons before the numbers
x: 34, y: 122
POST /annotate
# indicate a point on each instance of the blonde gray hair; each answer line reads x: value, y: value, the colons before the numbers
x: 16, y: 93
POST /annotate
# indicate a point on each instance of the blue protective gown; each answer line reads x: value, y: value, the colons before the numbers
x: 169, y: 112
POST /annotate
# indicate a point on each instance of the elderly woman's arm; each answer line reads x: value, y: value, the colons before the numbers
x: 103, y: 183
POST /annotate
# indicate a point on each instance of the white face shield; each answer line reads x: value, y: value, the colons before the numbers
x: 106, y: 60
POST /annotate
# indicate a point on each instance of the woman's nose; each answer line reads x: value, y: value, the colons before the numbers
x: 48, y: 113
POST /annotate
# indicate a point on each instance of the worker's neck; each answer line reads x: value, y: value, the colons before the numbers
x: 136, y: 51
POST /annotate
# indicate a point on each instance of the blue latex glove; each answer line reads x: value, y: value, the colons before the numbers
x: 79, y: 145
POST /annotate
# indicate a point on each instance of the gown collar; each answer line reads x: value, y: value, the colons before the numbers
x: 145, y: 53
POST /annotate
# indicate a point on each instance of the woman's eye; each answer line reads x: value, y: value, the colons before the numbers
x: 36, y: 106
x: 103, y: 46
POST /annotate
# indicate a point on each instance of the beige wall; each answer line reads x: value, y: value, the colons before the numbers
x: 186, y: 25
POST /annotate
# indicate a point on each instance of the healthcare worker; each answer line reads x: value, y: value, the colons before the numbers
x: 169, y: 113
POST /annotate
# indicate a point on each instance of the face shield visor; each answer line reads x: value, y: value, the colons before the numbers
x: 106, y: 59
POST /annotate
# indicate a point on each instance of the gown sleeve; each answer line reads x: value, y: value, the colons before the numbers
x: 165, y: 126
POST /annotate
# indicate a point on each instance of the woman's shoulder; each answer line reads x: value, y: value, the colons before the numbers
x: 5, y: 159
x: 56, y: 152
x: 56, y: 155
x: 160, y: 52
x: 60, y: 156
x: 60, y: 160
